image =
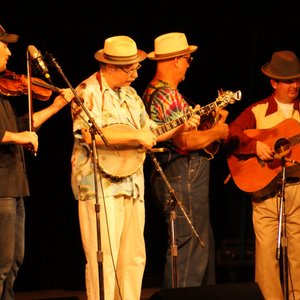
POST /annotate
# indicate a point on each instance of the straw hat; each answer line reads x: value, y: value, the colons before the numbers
x: 6, y: 37
x: 284, y: 65
x: 120, y: 50
x: 171, y: 45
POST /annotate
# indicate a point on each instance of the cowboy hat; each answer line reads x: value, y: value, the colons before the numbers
x: 284, y: 65
x: 7, y: 38
x: 120, y: 50
x: 171, y: 45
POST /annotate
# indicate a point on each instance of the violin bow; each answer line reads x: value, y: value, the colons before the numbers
x: 30, y: 106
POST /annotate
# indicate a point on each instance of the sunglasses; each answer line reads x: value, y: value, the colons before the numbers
x: 189, y: 59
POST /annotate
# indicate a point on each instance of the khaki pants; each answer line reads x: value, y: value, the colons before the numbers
x: 122, y: 222
x: 267, y: 266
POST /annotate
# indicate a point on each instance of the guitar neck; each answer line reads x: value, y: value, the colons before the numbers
x: 294, y: 140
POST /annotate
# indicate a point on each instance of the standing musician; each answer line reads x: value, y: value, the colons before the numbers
x: 186, y: 164
x: 13, y: 178
x: 272, y: 112
x: 110, y: 100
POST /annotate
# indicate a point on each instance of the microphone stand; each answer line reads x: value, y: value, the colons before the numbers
x: 94, y: 129
x: 282, y: 238
x: 172, y: 203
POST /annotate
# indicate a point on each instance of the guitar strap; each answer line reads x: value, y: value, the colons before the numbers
x: 131, y: 116
x: 98, y: 76
x: 101, y: 89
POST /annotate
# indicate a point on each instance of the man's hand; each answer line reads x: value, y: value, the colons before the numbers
x: 194, y: 121
x: 28, y: 139
x: 263, y: 151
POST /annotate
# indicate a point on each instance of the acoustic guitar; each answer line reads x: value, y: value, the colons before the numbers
x: 262, y: 178
x: 124, y: 160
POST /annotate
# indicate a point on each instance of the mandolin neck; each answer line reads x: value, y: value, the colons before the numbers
x: 204, y: 110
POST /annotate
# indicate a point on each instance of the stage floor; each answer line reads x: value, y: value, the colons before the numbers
x: 69, y: 295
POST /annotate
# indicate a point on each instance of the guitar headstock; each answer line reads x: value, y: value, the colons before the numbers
x: 228, y: 97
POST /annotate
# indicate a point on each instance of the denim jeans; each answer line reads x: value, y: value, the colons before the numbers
x: 189, y: 178
x: 12, y: 219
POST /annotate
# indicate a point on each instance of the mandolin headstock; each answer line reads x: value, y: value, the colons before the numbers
x: 228, y: 97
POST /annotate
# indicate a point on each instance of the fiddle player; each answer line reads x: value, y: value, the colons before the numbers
x: 186, y: 164
x: 276, y: 116
x: 13, y: 178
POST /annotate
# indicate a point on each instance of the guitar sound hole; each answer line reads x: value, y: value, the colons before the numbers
x: 282, y: 147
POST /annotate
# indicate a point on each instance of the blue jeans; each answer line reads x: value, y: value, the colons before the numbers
x: 189, y: 178
x: 12, y: 219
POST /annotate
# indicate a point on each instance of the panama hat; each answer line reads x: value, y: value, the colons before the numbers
x: 120, y: 50
x: 7, y: 38
x: 171, y: 45
x: 284, y: 65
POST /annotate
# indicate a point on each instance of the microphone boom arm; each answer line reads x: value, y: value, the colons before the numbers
x: 78, y: 101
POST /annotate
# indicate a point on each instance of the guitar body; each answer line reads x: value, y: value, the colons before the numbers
x: 261, y: 178
x: 122, y: 160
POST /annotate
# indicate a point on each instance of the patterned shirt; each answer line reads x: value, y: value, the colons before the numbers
x: 164, y: 104
x: 107, y: 108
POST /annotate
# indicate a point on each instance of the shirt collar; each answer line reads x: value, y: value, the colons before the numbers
x: 273, y: 107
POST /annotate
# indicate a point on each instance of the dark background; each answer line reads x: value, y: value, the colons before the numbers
x: 235, y: 39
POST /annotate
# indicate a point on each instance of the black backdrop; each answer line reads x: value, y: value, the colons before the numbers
x: 234, y: 37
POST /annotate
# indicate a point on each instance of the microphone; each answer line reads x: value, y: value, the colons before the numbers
x: 38, y: 59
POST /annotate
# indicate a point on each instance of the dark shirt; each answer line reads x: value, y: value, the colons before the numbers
x: 13, y: 177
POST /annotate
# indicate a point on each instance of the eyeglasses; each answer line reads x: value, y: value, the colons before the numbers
x: 189, y: 59
x: 130, y: 72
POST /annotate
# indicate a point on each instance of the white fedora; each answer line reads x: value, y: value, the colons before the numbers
x: 171, y: 45
x: 120, y: 50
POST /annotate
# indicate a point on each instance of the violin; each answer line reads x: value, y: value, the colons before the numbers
x: 12, y: 84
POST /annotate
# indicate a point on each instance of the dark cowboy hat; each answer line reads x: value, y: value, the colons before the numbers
x: 120, y: 50
x: 284, y: 65
x: 171, y: 45
x: 7, y: 37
